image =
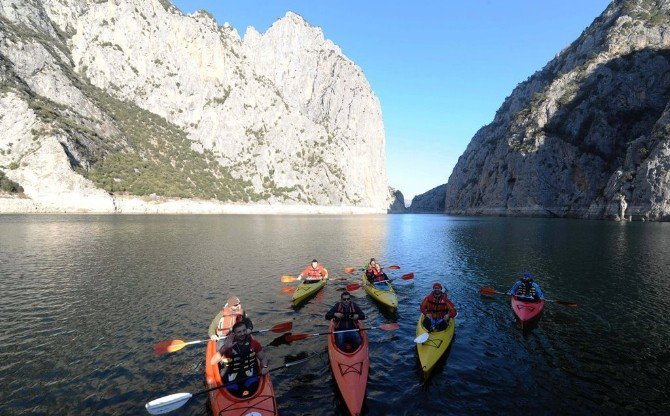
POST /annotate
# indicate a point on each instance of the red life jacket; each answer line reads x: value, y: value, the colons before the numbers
x: 438, y: 307
x: 228, y: 319
x: 339, y: 322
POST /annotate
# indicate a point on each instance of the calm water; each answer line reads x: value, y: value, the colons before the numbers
x: 85, y: 298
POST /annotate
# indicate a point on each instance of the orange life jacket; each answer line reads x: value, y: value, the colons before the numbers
x: 437, y: 307
x: 312, y: 274
x: 228, y: 319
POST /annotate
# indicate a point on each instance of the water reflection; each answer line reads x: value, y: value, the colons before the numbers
x: 85, y: 298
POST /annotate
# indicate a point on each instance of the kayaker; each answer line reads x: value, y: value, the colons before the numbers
x: 526, y: 289
x: 240, y: 374
x: 313, y: 273
x: 370, y: 268
x: 377, y: 276
x: 437, y: 308
x: 345, y: 313
x: 231, y: 313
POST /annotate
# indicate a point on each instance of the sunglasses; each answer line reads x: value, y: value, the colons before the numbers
x: 346, y: 298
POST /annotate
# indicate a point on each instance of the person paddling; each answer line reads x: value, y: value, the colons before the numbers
x: 231, y: 313
x: 370, y: 268
x: 437, y: 309
x: 345, y: 313
x: 314, y: 273
x: 526, y: 289
x: 241, y: 373
x: 377, y: 276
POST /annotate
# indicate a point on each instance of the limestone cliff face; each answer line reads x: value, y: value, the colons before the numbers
x: 587, y: 136
x: 429, y: 202
x: 132, y: 97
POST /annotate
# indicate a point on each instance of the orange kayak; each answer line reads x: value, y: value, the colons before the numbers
x: 350, y: 370
x: 261, y: 402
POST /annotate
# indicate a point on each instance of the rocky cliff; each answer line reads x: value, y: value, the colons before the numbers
x: 397, y: 205
x: 110, y: 98
x: 587, y: 136
x: 429, y: 202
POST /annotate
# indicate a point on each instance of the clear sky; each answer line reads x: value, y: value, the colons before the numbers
x: 441, y: 68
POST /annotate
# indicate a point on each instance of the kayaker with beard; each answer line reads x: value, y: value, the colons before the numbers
x: 526, y: 289
x: 240, y: 372
x: 378, y: 277
x: 437, y: 309
x: 345, y: 313
x: 313, y: 273
x: 231, y: 313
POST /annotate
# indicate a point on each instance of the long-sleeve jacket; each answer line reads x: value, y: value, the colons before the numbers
x: 346, y: 322
x: 532, y: 290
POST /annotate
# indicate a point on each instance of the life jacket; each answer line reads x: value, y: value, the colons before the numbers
x: 313, y: 274
x: 228, y: 319
x: 439, y: 307
x: 242, y: 359
x: 526, y: 290
x: 344, y: 323
x: 378, y: 275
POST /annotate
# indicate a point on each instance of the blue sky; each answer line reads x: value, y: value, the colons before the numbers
x: 440, y: 68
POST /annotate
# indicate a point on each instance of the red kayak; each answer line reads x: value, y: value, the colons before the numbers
x: 223, y: 403
x: 350, y: 370
x: 527, y: 312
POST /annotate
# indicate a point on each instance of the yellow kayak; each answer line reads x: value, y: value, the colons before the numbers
x: 436, y: 345
x: 386, y: 297
x: 306, y: 290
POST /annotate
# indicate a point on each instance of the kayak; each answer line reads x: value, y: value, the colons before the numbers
x: 350, y: 370
x: 386, y: 296
x: 437, y: 344
x: 306, y: 290
x: 262, y: 402
x: 526, y: 311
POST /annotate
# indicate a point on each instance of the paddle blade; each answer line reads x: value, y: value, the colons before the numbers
x: 353, y: 286
x: 422, y: 338
x: 283, y: 327
x: 168, y: 403
x: 394, y: 267
x: 288, y: 290
x: 288, y: 279
x: 566, y: 303
x: 391, y: 326
x: 487, y: 291
x: 169, y: 346
x: 349, y: 270
x: 408, y: 276
x: 296, y: 337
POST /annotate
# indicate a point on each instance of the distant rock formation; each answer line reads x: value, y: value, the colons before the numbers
x: 429, y: 202
x: 397, y: 202
x: 586, y: 135
x: 113, y: 98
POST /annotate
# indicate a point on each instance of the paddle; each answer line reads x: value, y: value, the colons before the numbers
x: 289, y: 279
x: 386, y: 327
x: 175, y: 401
x: 165, y: 347
x: 350, y: 270
x: 489, y: 291
x: 356, y: 286
x: 422, y: 338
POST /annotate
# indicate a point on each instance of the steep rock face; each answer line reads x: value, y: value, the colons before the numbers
x: 584, y: 137
x: 429, y: 202
x: 397, y: 205
x: 142, y: 99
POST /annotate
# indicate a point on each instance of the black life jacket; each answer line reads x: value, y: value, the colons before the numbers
x: 244, y: 359
x: 526, y: 290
